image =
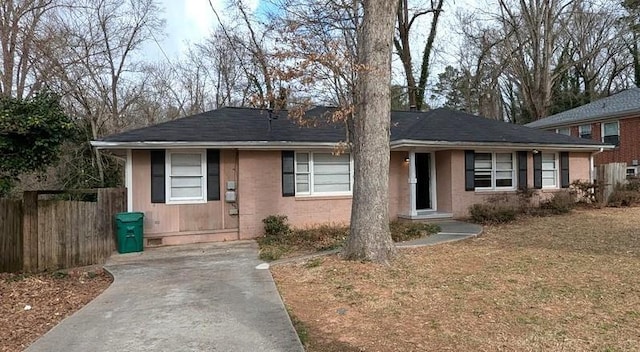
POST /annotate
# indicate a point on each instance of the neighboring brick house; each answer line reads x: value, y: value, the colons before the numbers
x: 214, y: 176
x: 611, y: 120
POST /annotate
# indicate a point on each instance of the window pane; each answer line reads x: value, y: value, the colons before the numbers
x: 324, y: 158
x: 303, y: 167
x: 615, y: 140
x: 186, y: 192
x: 186, y: 164
x: 611, y: 129
x: 482, y: 161
x: 342, y: 187
x: 548, y: 161
x: 585, y: 131
x: 548, y: 182
x: 504, y: 182
x: 302, y: 157
x: 504, y: 161
x: 177, y: 182
x: 482, y: 179
x: 302, y: 183
x: 331, y: 173
x: 565, y: 130
x: 186, y: 187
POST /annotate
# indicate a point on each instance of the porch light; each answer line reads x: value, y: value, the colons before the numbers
x: 406, y: 160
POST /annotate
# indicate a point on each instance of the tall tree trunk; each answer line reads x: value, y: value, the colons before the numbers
x: 370, y: 238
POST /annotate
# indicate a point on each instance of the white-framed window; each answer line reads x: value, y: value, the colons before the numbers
x: 564, y: 130
x: 323, y: 173
x: 611, y: 132
x: 549, y: 170
x: 186, y: 176
x: 585, y: 131
x: 494, y: 171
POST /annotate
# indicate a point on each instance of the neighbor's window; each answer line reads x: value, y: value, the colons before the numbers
x: 564, y: 130
x: 585, y: 131
x: 186, y: 181
x: 494, y: 171
x: 549, y: 170
x: 323, y: 173
x: 611, y: 133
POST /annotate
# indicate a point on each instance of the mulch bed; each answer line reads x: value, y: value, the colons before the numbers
x: 30, y: 305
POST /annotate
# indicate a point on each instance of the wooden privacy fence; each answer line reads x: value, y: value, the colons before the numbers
x: 55, y: 233
x: 609, y: 176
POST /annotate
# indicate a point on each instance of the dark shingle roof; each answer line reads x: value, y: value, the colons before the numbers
x: 252, y: 125
x: 625, y: 102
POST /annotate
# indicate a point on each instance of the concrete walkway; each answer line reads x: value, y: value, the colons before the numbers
x: 450, y: 231
x: 204, y: 297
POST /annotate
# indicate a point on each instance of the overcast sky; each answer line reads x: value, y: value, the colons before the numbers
x: 187, y: 21
x: 190, y: 21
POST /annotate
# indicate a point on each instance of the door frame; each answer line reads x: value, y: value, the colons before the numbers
x: 413, y: 181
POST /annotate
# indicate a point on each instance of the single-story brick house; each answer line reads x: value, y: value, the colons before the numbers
x: 613, y: 120
x: 214, y: 176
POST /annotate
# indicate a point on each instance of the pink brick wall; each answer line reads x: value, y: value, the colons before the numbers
x: 578, y: 170
x: 260, y: 195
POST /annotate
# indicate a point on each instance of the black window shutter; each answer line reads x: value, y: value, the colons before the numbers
x: 537, y: 170
x: 213, y: 174
x: 564, y: 169
x: 288, y: 174
x: 522, y: 170
x: 469, y: 166
x: 157, y: 176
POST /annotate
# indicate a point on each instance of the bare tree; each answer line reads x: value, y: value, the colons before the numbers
x: 21, y: 34
x: 95, y: 65
x: 406, y: 18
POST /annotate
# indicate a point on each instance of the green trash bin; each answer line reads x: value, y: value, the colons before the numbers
x: 129, y: 228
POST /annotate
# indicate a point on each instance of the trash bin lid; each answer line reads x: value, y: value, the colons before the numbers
x: 129, y: 216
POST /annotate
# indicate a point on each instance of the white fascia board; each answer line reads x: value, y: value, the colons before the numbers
x: 407, y: 143
x: 216, y: 145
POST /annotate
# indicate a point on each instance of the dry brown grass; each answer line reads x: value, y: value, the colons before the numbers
x: 564, y: 283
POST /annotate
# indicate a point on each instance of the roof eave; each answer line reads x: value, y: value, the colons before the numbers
x: 269, y: 145
x: 623, y: 114
x: 408, y: 143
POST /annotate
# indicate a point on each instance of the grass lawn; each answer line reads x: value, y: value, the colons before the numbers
x: 563, y: 283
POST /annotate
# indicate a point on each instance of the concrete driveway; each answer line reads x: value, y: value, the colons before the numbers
x: 206, y: 297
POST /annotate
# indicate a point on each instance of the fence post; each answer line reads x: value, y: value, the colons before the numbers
x: 110, y: 202
x: 30, y: 231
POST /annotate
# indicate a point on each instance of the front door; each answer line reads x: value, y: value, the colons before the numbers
x: 423, y: 185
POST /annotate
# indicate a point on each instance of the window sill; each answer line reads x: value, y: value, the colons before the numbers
x: 184, y: 202
x: 509, y: 190
x: 322, y: 197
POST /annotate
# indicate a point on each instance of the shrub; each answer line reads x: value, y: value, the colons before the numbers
x: 623, y: 198
x: 560, y: 203
x: 633, y: 185
x: 273, y: 252
x: 276, y: 226
x: 321, y: 238
x: 585, y: 191
x: 406, y: 231
x: 491, y: 213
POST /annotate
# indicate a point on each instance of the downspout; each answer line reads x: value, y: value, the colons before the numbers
x: 592, y: 165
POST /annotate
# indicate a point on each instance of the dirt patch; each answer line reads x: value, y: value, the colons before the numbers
x: 30, y: 305
x: 558, y: 283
